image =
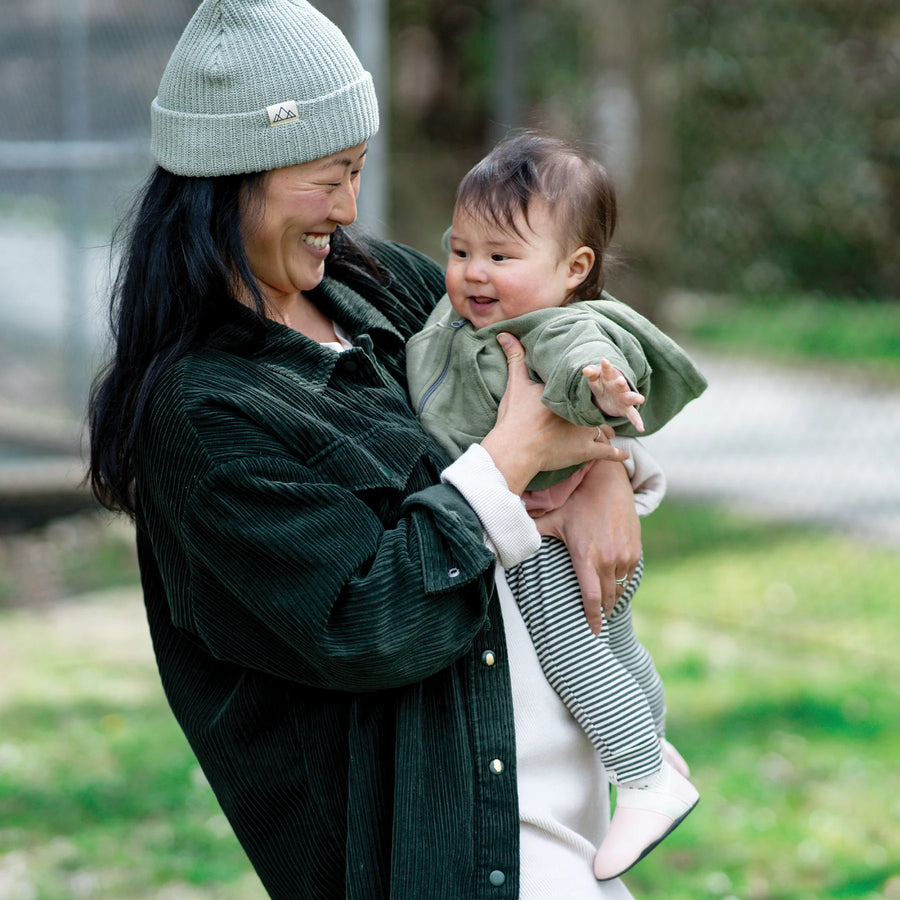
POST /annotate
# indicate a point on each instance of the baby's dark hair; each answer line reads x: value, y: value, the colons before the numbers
x: 576, y: 188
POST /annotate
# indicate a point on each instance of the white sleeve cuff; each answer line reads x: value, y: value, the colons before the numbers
x: 509, y: 531
x: 647, y: 477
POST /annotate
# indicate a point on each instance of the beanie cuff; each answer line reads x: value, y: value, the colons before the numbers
x: 199, y: 145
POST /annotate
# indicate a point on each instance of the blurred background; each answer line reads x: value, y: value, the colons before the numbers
x: 756, y: 152
x: 754, y: 146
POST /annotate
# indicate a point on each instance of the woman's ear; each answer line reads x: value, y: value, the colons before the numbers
x: 579, y: 264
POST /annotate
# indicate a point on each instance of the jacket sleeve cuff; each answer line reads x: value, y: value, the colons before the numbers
x: 647, y: 477
x: 509, y: 531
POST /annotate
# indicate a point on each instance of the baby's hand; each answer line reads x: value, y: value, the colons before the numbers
x: 612, y: 393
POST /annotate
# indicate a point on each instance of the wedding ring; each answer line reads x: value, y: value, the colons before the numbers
x: 622, y: 580
x: 600, y: 435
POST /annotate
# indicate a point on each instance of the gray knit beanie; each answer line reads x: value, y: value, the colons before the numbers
x: 254, y: 85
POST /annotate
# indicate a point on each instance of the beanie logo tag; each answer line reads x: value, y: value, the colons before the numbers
x: 279, y: 113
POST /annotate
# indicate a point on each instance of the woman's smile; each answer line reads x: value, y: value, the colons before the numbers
x: 317, y: 241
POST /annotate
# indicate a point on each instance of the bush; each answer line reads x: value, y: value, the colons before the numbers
x: 787, y: 146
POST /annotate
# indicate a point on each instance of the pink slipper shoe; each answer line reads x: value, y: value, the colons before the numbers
x: 644, y: 816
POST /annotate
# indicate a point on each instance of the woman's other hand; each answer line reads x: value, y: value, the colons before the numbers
x: 601, y: 529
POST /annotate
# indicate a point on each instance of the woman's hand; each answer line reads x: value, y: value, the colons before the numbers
x: 528, y: 438
x: 601, y: 529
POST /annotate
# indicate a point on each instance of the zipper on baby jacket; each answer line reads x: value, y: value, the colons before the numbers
x: 437, y: 383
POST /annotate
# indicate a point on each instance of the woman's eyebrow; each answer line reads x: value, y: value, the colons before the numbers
x: 344, y: 161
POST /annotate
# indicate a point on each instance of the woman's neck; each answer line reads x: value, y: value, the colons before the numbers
x: 298, y: 312
x: 301, y: 314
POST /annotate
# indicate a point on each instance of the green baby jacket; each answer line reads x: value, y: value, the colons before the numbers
x: 457, y: 374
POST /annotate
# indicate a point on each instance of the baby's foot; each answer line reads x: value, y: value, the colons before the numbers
x: 674, y: 758
x: 647, y: 811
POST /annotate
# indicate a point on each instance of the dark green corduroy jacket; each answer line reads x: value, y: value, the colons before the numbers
x: 322, y: 608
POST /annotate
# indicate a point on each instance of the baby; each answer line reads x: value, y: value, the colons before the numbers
x: 531, y: 226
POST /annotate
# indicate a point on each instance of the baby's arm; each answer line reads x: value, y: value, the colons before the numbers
x: 613, y: 395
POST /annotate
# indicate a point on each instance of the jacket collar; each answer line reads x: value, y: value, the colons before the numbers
x: 354, y: 313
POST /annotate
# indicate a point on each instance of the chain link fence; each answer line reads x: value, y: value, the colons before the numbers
x: 78, y: 77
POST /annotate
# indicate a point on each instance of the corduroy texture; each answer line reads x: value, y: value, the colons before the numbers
x: 322, y: 609
x: 241, y: 65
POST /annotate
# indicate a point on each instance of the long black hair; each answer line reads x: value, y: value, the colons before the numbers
x: 182, y: 262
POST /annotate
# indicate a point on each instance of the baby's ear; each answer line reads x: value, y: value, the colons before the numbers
x: 579, y: 262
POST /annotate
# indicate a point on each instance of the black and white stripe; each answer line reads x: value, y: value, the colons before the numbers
x: 608, y: 681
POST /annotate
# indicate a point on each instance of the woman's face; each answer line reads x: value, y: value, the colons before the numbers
x: 287, y: 228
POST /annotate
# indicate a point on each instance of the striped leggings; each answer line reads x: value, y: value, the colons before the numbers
x: 608, y: 681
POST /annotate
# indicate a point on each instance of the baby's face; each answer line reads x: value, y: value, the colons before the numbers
x: 494, y: 274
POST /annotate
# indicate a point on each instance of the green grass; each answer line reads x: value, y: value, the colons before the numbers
x: 100, y: 796
x: 778, y: 649
x: 777, y: 646
x: 862, y: 334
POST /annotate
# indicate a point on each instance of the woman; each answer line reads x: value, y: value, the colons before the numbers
x: 317, y: 581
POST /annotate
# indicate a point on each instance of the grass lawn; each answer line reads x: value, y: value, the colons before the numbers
x: 100, y: 796
x: 778, y: 648
x: 855, y: 335
x: 777, y: 645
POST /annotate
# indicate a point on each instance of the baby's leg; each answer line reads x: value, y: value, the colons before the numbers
x: 652, y: 797
x: 646, y: 810
x: 634, y: 656
x: 601, y: 694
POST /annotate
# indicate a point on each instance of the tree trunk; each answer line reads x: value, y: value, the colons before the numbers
x: 634, y: 91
